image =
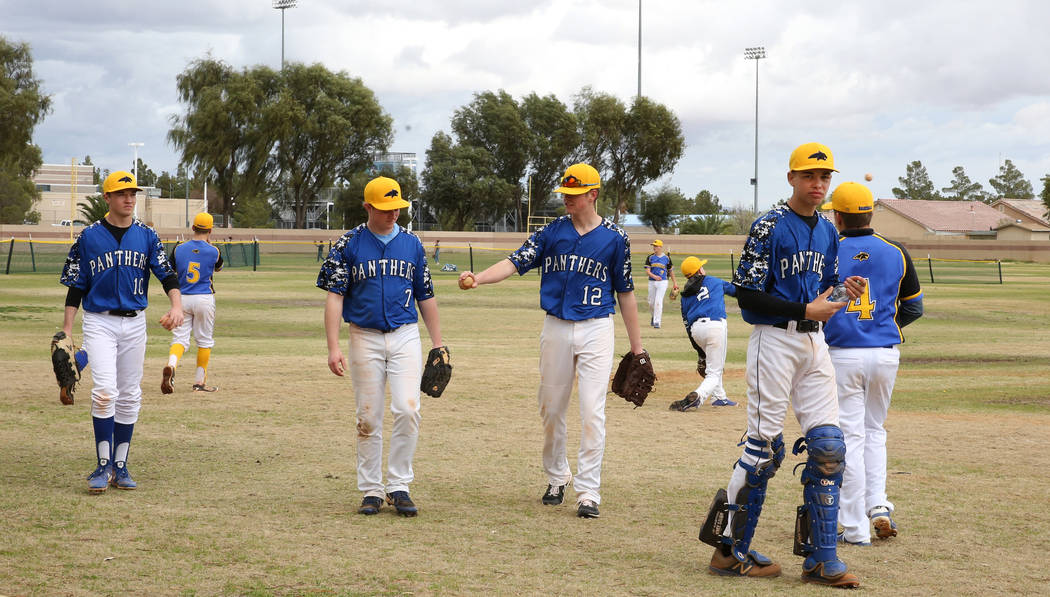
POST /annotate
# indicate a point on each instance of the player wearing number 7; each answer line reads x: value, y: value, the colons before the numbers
x: 583, y: 259
x: 862, y: 340
x: 195, y: 261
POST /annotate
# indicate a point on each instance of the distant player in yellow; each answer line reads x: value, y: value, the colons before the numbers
x: 195, y: 261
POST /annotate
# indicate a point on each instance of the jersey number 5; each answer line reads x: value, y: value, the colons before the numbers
x: 193, y: 272
x: 863, y: 305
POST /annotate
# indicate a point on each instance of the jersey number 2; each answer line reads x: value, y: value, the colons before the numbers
x: 863, y: 305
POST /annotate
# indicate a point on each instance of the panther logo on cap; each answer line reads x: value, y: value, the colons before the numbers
x: 391, y: 193
x: 862, y: 256
x: 819, y: 156
x: 125, y: 179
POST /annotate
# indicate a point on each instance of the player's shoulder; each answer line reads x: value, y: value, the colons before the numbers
x: 142, y: 226
x: 763, y: 226
x: 410, y: 235
x: 614, y: 228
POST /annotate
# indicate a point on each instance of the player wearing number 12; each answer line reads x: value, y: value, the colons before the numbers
x: 196, y: 261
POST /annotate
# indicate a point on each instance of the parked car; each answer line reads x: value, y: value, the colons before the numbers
x: 64, y: 223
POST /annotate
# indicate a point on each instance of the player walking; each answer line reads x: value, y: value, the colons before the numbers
x: 584, y: 259
x: 195, y: 261
x: 658, y: 267
x: 107, y: 271
x: 787, y: 270
x: 376, y: 275
x: 863, y: 341
x: 704, y: 314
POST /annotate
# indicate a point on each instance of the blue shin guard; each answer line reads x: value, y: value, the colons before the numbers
x: 817, y: 522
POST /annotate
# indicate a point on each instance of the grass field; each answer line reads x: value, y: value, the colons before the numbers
x: 252, y: 490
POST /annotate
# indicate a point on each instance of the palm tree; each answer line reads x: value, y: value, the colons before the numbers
x: 93, y: 210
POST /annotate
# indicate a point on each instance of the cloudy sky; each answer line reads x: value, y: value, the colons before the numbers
x: 950, y: 83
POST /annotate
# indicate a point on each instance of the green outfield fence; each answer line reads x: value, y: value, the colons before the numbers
x: 48, y: 256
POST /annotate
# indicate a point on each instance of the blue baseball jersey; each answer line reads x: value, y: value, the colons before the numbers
x: 115, y: 276
x: 784, y: 257
x: 708, y: 302
x: 380, y: 282
x: 196, y: 261
x: 579, y: 274
x: 658, y: 264
x: 871, y: 319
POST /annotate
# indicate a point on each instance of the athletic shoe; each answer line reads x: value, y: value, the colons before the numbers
x: 656, y: 325
x: 166, y: 380
x: 99, y: 480
x: 401, y: 501
x: 370, y: 505
x: 723, y: 402
x: 554, y: 495
x: 199, y: 387
x: 884, y: 525
x: 587, y: 509
x: 844, y: 541
x: 756, y: 566
x: 818, y: 574
x: 121, y: 478
x: 692, y: 400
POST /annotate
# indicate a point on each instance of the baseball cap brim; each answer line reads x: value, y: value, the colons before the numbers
x: 574, y: 190
x: 392, y: 204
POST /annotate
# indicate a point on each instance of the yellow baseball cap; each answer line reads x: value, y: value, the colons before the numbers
x: 203, y: 220
x: 851, y: 198
x: 810, y: 156
x: 657, y: 243
x: 118, y: 181
x: 384, y: 194
x: 691, y: 265
x: 579, y: 179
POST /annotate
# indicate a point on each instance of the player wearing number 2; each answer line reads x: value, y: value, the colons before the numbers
x: 107, y: 272
x: 583, y: 259
x: 195, y: 261
x: 863, y: 341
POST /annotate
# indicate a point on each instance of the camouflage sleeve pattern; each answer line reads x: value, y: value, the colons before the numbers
x: 335, y: 275
x: 753, y: 270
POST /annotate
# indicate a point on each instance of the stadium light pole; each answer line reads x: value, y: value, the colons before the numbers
x: 283, y: 5
x: 755, y: 54
x: 639, y: 48
x: 135, y: 171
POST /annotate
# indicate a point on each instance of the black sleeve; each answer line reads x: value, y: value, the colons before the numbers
x: 767, y: 304
x: 218, y: 264
x: 74, y: 296
x: 909, y: 312
x: 170, y: 282
x: 910, y: 281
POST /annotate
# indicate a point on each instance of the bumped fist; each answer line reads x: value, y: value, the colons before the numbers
x: 466, y: 281
x: 166, y: 322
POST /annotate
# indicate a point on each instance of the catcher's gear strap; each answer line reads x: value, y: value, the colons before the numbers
x: 816, y: 524
x: 692, y: 287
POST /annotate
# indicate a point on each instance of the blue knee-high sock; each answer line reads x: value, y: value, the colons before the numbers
x: 103, y: 439
x: 121, y: 442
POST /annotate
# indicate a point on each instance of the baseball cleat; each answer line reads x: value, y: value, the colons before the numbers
x: 166, y: 380
x: 692, y: 400
x: 121, y: 478
x: 819, y: 574
x: 723, y: 402
x: 370, y: 505
x: 99, y: 480
x: 842, y: 540
x: 884, y: 525
x: 554, y: 495
x: 756, y: 566
x: 199, y: 387
x: 587, y: 509
x: 403, y: 503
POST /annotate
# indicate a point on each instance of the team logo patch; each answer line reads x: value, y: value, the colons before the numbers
x: 819, y: 156
x: 391, y: 193
x: 125, y: 179
x: 196, y: 250
x: 862, y: 256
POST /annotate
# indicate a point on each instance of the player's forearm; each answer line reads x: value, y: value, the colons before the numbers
x: 175, y: 297
x: 629, y: 312
x: 429, y: 310
x: 333, y: 318
x: 496, y: 272
x: 68, y: 317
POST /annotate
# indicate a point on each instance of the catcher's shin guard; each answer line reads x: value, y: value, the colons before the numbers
x: 817, y: 520
x: 748, y: 502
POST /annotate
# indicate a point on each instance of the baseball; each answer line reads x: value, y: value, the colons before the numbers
x: 868, y: 177
x: 466, y: 282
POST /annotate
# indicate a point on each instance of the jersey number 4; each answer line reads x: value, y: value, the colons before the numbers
x: 862, y: 305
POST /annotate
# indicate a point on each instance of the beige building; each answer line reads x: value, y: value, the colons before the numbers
x: 925, y: 220
x: 1032, y: 211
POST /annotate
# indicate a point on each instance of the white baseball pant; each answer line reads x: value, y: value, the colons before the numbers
x: 581, y: 350
x: 375, y: 359
x: 712, y: 335
x: 657, y: 289
x: 116, y: 348
x: 865, y: 378
x: 199, y: 317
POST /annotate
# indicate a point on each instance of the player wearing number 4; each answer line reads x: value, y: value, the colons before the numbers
x: 863, y: 341
x: 196, y: 261
x: 107, y: 271
x: 583, y: 259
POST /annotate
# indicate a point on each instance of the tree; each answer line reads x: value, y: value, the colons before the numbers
x: 740, y: 220
x: 1011, y: 184
x: 705, y: 202
x: 916, y: 184
x: 22, y: 107
x: 460, y: 184
x: 553, y: 136
x: 659, y: 210
x: 709, y: 224
x: 1045, y: 195
x: 254, y: 212
x: 962, y: 189
x: 349, y: 208
x: 93, y: 209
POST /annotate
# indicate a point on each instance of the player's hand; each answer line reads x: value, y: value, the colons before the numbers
x: 855, y: 286
x: 821, y: 309
x: 337, y: 362
x: 468, y: 280
x: 172, y: 319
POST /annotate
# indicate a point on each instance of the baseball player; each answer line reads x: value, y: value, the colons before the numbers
x: 195, y: 261
x: 376, y: 276
x: 787, y: 270
x: 658, y: 267
x: 863, y: 341
x: 704, y: 314
x: 583, y: 260
x: 107, y: 271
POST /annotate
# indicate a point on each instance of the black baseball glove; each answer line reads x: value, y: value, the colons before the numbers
x: 634, y: 378
x: 437, y: 372
x: 64, y: 362
x: 692, y: 287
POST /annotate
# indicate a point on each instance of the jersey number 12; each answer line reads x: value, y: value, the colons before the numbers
x: 592, y: 296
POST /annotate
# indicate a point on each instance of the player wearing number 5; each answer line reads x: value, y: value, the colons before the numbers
x: 863, y: 341
x: 196, y: 261
x: 107, y: 271
x: 583, y: 260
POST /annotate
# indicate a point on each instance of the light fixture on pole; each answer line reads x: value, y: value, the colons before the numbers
x: 283, y: 5
x: 755, y: 54
x: 135, y: 171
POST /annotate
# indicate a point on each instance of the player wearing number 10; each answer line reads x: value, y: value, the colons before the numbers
x: 583, y: 259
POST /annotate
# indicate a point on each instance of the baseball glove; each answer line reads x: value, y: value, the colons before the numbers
x: 64, y: 362
x: 692, y: 287
x: 437, y: 372
x: 634, y: 378
x: 674, y: 293
x: 701, y: 363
